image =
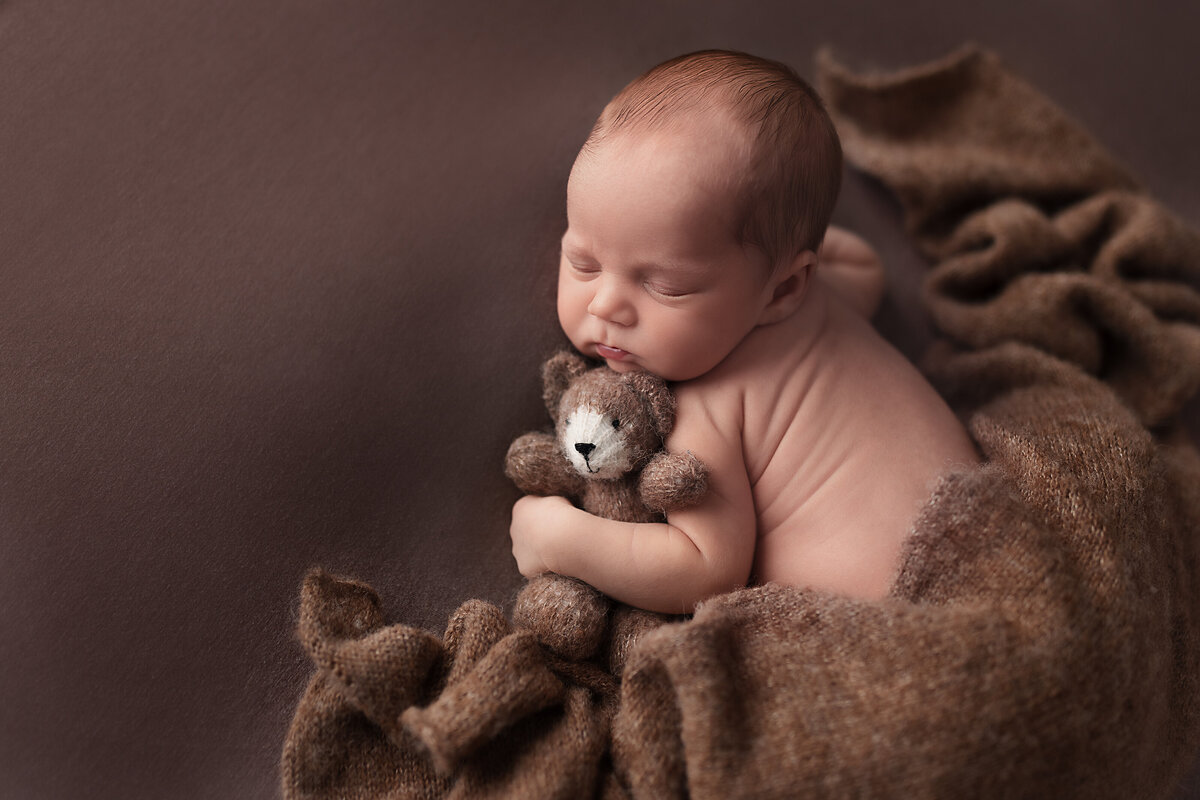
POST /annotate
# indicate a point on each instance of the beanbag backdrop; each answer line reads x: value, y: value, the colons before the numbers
x: 1043, y: 635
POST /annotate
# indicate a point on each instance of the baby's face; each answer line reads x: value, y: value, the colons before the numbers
x: 651, y: 275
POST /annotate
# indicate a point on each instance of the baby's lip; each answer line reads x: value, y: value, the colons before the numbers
x: 614, y: 353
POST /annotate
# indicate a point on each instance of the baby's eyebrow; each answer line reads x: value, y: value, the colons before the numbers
x: 688, y: 266
x: 578, y: 255
x: 675, y: 266
x: 572, y: 246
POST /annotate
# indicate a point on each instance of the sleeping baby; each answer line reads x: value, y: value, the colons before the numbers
x: 696, y: 211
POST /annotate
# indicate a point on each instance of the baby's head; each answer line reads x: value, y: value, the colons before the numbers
x: 790, y: 169
x: 695, y: 209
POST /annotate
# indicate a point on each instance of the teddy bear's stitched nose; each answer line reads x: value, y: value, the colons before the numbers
x: 584, y: 448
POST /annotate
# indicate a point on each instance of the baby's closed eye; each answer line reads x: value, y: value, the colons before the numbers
x: 583, y: 268
x: 668, y: 290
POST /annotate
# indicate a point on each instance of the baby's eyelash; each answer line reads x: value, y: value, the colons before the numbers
x: 666, y: 291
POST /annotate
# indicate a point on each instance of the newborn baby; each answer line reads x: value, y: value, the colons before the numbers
x: 696, y: 209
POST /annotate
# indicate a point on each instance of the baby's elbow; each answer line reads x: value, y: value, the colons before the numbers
x: 725, y: 582
x: 697, y: 593
x: 701, y: 567
x: 720, y: 576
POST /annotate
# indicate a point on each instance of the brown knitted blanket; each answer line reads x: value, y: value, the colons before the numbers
x: 1043, y: 636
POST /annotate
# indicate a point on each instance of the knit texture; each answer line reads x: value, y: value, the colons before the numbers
x: 606, y: 450
x: 620, y: 421
x: 1043, y: 636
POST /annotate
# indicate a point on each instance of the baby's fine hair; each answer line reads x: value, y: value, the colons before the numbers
x: 796, y: 167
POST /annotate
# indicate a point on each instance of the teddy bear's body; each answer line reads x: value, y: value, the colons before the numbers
x: 606, y: 455
x: 538, y: 465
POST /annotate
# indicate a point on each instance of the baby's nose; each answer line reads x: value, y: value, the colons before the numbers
x: 610, y: 304
x: 584, y: 448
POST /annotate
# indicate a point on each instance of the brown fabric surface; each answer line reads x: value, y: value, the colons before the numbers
x: 481, y: 718
x: 1043, y: 637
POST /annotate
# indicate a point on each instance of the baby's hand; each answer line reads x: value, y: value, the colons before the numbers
x: 533, y: 520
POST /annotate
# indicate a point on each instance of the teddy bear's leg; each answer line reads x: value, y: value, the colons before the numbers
x: 567, y: 615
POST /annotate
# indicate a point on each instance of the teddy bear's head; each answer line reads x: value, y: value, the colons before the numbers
x: 607, y: 423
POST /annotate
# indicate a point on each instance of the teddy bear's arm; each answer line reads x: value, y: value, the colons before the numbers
x: 537, y: 466
x: 673, y: 480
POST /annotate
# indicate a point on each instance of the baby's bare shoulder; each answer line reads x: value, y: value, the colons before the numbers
x: 757, y: 363
x: 713, y: 400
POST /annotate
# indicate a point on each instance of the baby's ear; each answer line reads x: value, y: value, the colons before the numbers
x: 789, y: 285
x: 658, y: 398
x: 559, y: 371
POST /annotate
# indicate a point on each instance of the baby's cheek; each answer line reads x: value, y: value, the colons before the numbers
x: 572, y: 308
x: 563, y: 307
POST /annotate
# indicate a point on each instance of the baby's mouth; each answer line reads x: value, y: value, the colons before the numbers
x: 614, y: 353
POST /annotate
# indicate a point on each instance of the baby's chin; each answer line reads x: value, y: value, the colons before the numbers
x: 631, y: 364
x: 626, y: 367
x: 623, y: 366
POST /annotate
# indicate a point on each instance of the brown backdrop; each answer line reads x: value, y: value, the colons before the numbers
x: 274, y: 285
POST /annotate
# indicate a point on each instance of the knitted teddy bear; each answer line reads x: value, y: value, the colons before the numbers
x: 606, y: 455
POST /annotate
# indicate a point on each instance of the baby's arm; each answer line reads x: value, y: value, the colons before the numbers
x: 852, y: 268
x: 669, y: 567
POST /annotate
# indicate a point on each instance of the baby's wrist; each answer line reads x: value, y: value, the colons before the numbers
x: 559, y: 523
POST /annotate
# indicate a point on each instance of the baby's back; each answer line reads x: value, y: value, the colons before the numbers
x: 843, y: 440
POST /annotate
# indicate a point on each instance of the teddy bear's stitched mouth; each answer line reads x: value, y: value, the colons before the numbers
x: 587, y: 464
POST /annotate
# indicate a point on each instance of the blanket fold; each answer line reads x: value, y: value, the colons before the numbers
x: 1039, y: 235
x: 1043, y: 635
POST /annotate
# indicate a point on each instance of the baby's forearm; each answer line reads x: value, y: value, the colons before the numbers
x: 654, y: 566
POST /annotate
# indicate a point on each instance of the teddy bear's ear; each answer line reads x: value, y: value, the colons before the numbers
x: 657, y: 396
x: 557, y: 374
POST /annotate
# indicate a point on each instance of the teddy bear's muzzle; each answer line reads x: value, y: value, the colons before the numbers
x: 594, y: 445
